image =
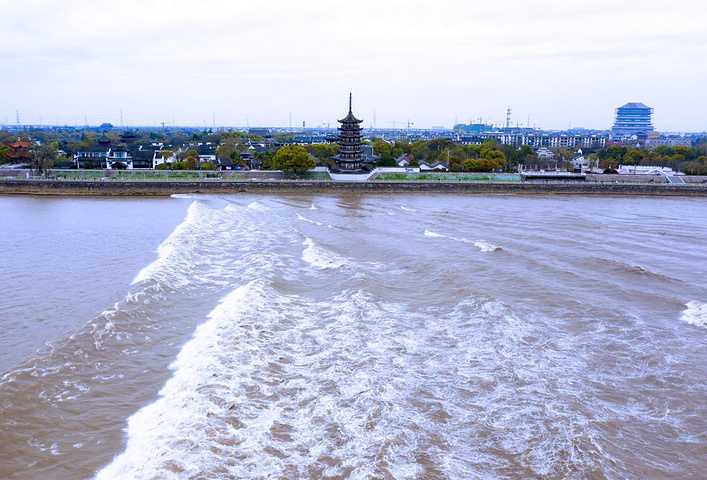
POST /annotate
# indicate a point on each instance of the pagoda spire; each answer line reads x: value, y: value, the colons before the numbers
x: 350, y: 102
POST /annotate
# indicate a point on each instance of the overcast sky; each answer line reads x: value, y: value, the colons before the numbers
x: 432, y: 63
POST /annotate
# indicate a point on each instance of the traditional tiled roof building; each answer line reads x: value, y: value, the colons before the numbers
x: 20, y: 152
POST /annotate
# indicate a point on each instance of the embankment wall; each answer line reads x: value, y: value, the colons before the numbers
x: 166, y: 188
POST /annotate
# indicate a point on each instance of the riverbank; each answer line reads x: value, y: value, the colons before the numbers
x: 166, y: 188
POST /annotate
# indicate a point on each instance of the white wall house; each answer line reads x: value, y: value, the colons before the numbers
x: 644, y: 170
x: 119, y: 158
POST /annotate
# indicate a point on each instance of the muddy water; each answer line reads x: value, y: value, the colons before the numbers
x: 335, y: 336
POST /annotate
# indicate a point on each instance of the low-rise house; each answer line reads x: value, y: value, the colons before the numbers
x: 439, y: 166
x: 207, y: 153
x: 143, y: 158
x: 403, y: 160
x: 544, y: 153
x: 159, y: 158
x: 224, y: 163
x: 91, y: 157
x: 644, y: 170
x: 430, y: 167
x: 119, y: 158
x: 579, y: 163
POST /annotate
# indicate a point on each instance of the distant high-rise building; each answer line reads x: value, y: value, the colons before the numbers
x: 633, y: 119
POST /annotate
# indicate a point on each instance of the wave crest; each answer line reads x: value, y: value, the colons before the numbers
x: 695, y: 313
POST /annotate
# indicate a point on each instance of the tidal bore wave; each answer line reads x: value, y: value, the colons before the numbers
x: 260, y: 343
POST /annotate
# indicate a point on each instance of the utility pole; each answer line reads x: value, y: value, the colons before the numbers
x: 121, y: 118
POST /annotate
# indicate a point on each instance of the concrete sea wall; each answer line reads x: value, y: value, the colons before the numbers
x: 166, y: 188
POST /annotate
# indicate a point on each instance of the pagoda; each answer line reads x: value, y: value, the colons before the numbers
x: 349, y: 157
x: 20, y: 152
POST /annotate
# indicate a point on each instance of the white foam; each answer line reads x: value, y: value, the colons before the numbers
x: 407, y: 209
x: 486, y: 246
x: 182, y: 195
x: 695, y: 313
x: 166, y: 252
x: 196, y: 250
x: 318, y: 257
x: 480, y: 244
x: 429, y: 233
x: 258, y: 207
x: 153, y: 429
x: 280, y: 386
x: 305, y: 219
x: 314, y: 207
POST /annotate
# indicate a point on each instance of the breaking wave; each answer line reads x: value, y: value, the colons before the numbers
x: 695, y: 313
x: 319, y: 257
x: 480, y: 244
x: 275, y: 385
x: 305, y: 219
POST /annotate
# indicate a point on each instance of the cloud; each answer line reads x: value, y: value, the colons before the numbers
x: 427, y: 61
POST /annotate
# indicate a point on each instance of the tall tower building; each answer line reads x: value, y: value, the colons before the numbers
x: 633, y: 119
x: 349, y: 157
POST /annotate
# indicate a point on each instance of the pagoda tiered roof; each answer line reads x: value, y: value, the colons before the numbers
x: 19, y: 144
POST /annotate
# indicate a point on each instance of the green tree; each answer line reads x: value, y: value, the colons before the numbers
x: 322, y: 152
x: 471, y: 151
x: 43, y: 157
x: 482, y: 164
x: 524, y: 152
x: 385, y: 150
x: 633, y: 157
x: 190, y: 163
x: 224, y: 150
x: 265, y: 159
x: 293, y: 158
x: 419, y: 150
x: 687, y: 152
x: 4, y: 150
x: 440, y: 144
x: 188, y: 153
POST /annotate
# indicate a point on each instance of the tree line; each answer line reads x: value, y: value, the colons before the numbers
x: 487, y: 157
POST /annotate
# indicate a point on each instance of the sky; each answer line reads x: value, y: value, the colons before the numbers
x: 279, y: 63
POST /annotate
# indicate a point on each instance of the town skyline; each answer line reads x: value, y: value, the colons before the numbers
x: 555, y: 66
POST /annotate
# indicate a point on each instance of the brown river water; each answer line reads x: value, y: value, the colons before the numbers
x: 353, y: 336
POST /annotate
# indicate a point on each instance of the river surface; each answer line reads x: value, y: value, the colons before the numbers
x: 353, y: 336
